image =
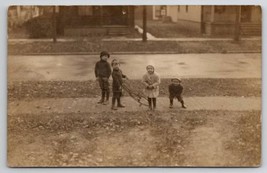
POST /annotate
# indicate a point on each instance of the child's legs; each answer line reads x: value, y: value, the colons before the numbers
x: 114, y: 98
x: 180, y: 99
x: 105, y: 86
x: 103, y: 92
x: 171, y: 100
x: 117, y: 96
x: 149, y: 102
x: 154, y: 102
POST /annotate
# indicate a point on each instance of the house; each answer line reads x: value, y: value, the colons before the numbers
x: 138, y: 12
x: 213, y: 20
x: 17, y: 15
x: 88, y: 20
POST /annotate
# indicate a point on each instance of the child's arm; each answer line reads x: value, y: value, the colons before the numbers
x: 182, y: 88
x: 170, y: 88
x: 96, y: 70
x: 117, y: 77
x: 123, y: 75
x: 144, y: 81
x: 108, y: 69
x: 157, y: 82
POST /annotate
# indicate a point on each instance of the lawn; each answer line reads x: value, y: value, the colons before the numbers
x: 167, y: 30
x: 95, y: 46
x: 79, y: 89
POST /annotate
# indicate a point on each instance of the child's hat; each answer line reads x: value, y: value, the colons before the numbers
x: 150, y: 66
x: 175, y: 78
x: 114, y: 61
x: 103, y: 53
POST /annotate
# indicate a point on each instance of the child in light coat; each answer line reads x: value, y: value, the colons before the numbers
x: 151, y: 80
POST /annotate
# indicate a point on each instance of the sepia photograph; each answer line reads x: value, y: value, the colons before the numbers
x: 134, y: 86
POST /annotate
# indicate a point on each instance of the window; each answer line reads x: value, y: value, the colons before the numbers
x: 178, y: 8
x: 186, y: 8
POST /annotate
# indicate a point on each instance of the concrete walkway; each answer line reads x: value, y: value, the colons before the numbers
x: 84, y: 105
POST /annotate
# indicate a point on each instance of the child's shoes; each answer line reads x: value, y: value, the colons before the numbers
x: 184, y: 106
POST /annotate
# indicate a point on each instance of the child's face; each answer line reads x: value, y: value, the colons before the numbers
x: 104, y: 57
x: 115, y: 64
x: 150, y: 70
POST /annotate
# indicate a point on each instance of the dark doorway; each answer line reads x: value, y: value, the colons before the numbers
x: 115, y: 15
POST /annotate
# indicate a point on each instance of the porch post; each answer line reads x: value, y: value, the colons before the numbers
x: 212, y: 19
x: 202, y: 23
x: 144, y: 24
x: 237, y: 23
x: 101, y: 15
x: 18, y: 12
x: 212, y: 16
x: 54, y: 25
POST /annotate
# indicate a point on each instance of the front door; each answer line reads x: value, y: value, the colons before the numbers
x: 115, y: 15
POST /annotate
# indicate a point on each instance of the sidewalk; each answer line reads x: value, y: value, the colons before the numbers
x: 85, y: 105
x: 151, y: 38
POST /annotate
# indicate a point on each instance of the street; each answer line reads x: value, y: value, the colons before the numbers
x: 81, y: 67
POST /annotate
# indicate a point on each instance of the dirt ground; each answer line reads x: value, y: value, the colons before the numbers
x: 78, y: 89
x: 170, y: 138
x: 167, y: 138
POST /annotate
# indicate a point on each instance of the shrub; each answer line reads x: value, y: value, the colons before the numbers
x: 40, y: 27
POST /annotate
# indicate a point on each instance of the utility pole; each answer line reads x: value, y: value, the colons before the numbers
x: 237, y: 24
x: 144, y: 38
x: 54, y: 20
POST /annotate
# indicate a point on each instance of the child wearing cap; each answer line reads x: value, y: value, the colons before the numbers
x: 102, y: 74
x: 151, y: 80
x: 117, y: 76
x: 175, y: 91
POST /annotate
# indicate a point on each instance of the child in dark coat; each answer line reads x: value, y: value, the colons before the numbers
x: 102, y: 74
x: 117, y: 77
x: 175, y: 91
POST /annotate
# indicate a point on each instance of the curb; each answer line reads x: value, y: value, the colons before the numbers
x: 18, y: 41
x: 130, y: 53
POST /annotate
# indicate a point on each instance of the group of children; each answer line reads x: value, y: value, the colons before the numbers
x: 151, y: 81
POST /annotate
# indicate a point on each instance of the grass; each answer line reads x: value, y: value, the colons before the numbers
x: 163, y: 138
x: 192, y: 87
x: 92, y: 46
x: 168, y: 30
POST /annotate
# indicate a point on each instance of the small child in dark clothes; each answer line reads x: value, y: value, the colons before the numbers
x: 102, y: 74
x: 117, y: 84
x: 175, y: 91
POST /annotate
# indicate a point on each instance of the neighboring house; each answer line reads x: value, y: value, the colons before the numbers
x: 87, y: 20
x: 17, y: 15
x: 213, y: 20
x: 138, y: 12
